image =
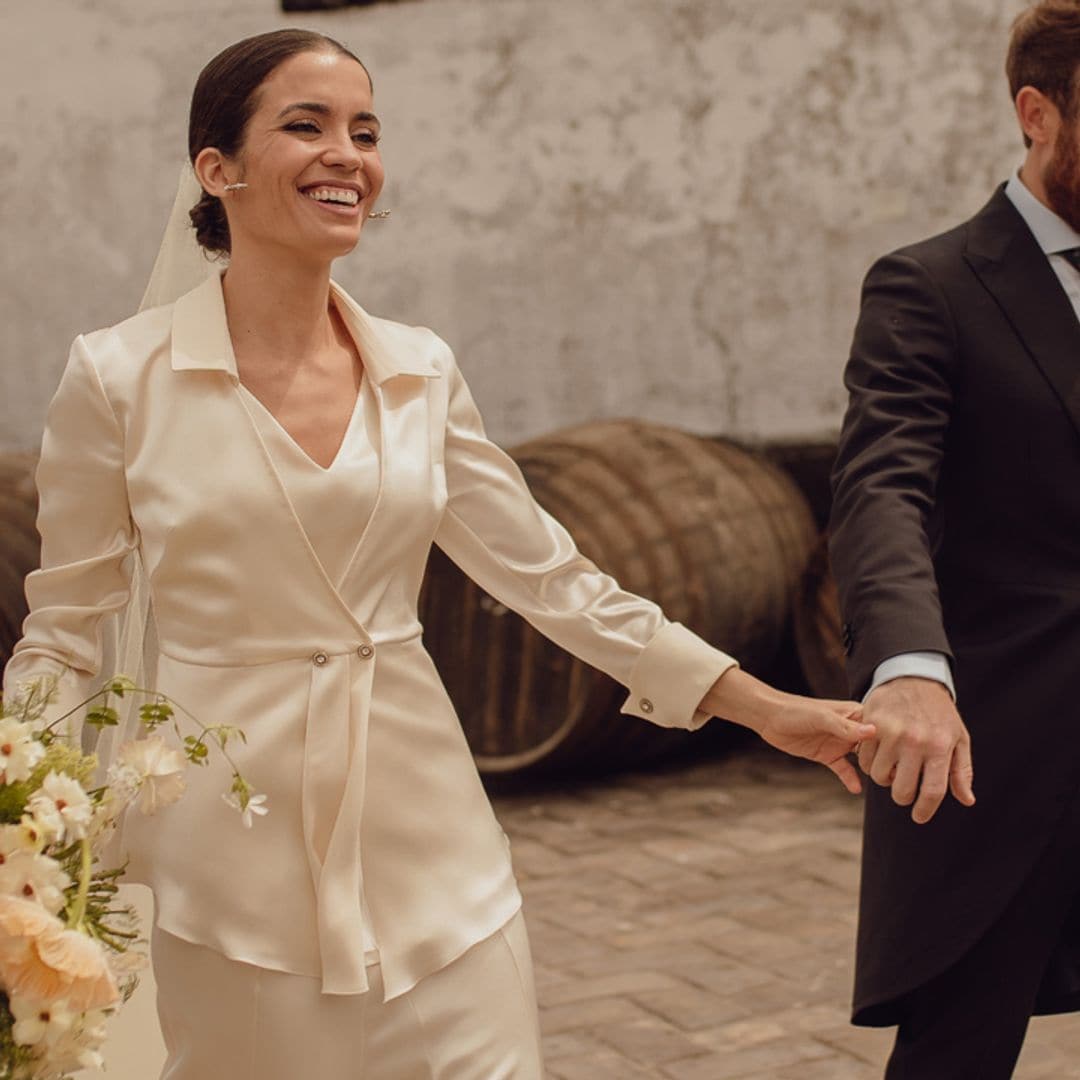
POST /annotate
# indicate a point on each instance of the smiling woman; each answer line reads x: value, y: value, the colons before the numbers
x: 289, y: 460
x: 277, y: 124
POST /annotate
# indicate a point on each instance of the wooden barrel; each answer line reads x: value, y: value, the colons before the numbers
x: 809, y: 464
x: 818, y: 629
x: 19, y: 544
x: 717, y: 536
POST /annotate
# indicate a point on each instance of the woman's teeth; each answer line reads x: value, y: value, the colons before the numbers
x: 337, y: 195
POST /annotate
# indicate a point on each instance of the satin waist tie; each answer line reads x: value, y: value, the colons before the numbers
x: 332, y: 802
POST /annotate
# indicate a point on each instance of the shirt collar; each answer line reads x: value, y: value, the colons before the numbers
x: 201, y: 342
x: 1052, y: 233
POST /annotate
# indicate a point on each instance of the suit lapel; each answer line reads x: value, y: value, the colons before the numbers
x: 1012, y: 267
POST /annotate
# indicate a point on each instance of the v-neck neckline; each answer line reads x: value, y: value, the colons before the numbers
x: 357, y: 409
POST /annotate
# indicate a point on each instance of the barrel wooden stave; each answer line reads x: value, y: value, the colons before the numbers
x: 818, y: 628
x: 20, y: 546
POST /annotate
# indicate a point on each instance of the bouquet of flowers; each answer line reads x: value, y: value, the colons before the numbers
x: 69, y: 952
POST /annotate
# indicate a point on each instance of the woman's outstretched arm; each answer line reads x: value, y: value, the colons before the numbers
x: 509, y: 545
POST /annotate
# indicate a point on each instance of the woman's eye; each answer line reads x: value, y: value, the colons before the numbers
x: 366, y: 138
x: 302, y: 125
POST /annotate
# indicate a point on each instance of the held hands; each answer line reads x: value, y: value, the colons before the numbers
x: 921, y: 749
x: 823, y: 731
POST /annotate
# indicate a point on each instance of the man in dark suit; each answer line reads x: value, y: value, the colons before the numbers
x: 956, y: 547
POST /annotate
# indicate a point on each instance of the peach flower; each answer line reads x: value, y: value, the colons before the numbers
x: 21, y: 923
x: 42, y: 959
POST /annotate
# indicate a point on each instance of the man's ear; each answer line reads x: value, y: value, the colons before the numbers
x: 1040, y: 118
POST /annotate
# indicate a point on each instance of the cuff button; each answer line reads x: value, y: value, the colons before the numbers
x: 645, y: 705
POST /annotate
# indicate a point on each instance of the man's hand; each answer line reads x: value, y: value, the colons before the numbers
x: 921, y: 750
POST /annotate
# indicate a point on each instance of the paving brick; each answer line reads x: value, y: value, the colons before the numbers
x: 699, y: 924
x: 689, y: 1008
x: 606, y: 986
x: 763, y: 1060
x: 648, y: 1042
x: 834, y: 1067
x: 586, y: 1016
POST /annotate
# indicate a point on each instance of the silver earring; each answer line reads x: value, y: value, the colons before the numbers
x: 238, y: 186
x: 380, y: 214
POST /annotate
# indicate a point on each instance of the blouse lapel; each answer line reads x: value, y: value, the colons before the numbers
x: 201, y: 342
x: 393, y: 384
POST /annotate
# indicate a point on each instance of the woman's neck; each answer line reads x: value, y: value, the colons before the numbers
x: 278, y: 310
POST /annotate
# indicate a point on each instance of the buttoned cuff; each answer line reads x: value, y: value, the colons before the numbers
x: 919, y: 665
x: 671, y: 677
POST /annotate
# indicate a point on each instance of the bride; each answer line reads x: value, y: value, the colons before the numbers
x: 281, y: 461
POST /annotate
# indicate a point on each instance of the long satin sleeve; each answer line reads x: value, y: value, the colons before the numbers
x: 87, y: 536
x: 499, y: 536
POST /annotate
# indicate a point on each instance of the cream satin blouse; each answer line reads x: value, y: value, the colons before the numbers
x: 372, y: 791
x: 318, y: 494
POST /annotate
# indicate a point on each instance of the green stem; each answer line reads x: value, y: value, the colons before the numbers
x: 78, y: 912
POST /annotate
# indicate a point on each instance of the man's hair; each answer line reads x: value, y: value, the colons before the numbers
x: 1044, y: 52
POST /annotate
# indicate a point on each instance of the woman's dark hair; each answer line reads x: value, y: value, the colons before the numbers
x: 224, y: 100
x: 1044, y: 52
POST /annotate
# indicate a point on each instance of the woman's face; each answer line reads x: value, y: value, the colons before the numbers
x: 310, y: 159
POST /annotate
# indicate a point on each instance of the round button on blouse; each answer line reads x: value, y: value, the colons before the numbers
x: 320, y: 658
x: 646, y: 705
x: 365, y: 652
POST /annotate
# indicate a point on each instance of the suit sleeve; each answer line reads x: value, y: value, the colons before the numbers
x: 87, y: 536
x: 509, y: 545
x: 901, y: 380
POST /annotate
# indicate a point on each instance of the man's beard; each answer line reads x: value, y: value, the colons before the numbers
x: 1062, y: 176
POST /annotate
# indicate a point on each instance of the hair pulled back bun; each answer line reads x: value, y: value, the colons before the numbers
x: 224, y: 99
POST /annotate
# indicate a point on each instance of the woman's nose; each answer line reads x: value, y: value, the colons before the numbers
x: 343, y: 151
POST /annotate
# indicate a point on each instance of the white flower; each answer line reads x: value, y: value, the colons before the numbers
x: 16, y: 839
x: 74, y: 1051
x: 32, y: 838
x: 39, y: 1022
x: 20, y: 752
x: 121, y: 786
x: 32, y: 695
x: 34, y: 877
x: 125, y: 964
x: 124, y: 781
x: 61, y: 807
x: 256, y: 804
x: 160, y: 769
x: 78, y: 1047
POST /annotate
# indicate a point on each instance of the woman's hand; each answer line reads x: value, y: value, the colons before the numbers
x: 822, y: 731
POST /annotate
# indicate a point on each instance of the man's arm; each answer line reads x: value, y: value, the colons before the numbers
x: 901, y: 378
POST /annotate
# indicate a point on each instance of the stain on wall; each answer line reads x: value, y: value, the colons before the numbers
x: 652, y: 208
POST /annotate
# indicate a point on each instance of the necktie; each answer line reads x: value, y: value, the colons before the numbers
x: 1073, y: 255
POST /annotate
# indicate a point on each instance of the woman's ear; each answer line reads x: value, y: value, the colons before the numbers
x: 210, y: 167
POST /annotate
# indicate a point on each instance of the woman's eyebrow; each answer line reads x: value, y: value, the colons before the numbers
x: 323, y: 110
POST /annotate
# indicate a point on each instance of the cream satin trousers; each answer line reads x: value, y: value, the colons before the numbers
x: 476, y: 1019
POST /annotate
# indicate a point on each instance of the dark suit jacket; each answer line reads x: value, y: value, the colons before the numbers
x: 956, y: 527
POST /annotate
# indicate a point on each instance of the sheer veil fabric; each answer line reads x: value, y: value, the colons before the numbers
x: 130, y: 644
x: 180, y: 264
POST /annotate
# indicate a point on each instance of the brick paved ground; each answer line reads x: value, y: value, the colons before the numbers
x: 697, y: 924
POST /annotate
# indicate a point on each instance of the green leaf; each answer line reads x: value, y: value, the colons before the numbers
x: 196, y: 750
x: 103, y: 716
x: 153, y: 714
x: 120, y: 685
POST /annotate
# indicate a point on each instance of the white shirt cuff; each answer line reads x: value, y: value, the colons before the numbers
x: 920, y: 665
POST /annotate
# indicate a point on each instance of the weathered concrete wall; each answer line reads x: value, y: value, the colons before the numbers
x: 659, y: 208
